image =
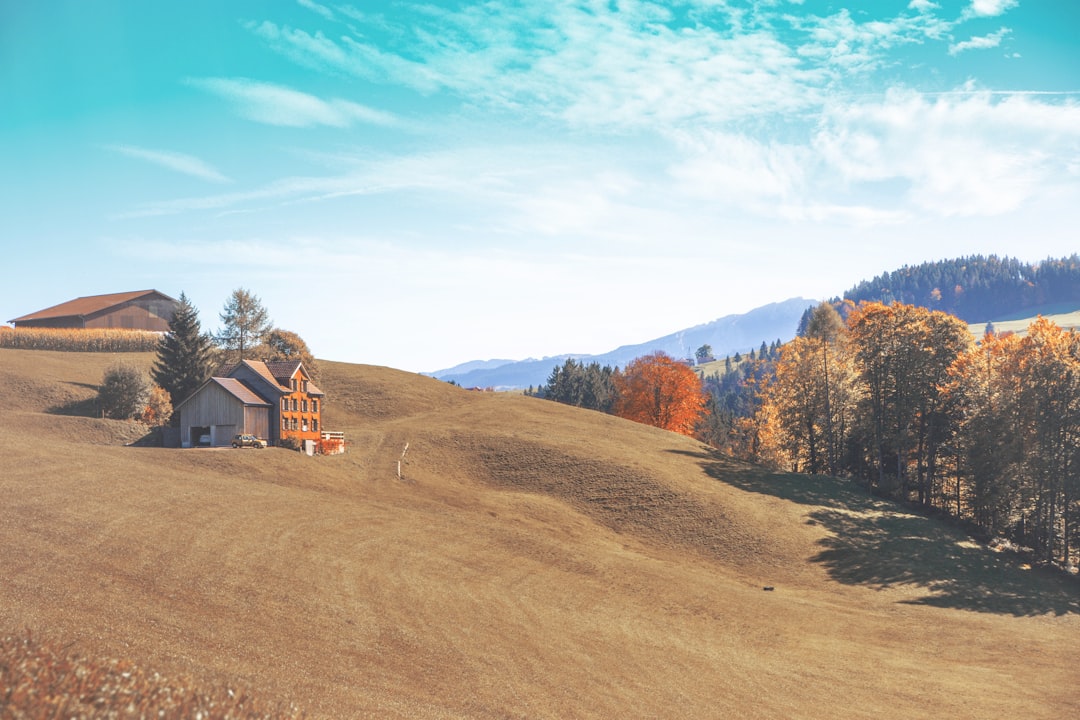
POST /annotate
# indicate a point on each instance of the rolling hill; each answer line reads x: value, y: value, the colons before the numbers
x: 534, y: 560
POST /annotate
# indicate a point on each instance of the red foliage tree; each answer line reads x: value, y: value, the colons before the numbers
x: 658, y: 390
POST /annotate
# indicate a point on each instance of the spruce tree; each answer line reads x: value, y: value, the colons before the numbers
x: 184, y: 354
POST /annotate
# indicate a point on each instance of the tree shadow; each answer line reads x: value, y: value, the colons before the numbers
x: 84, y: 407
x: 882, y: 544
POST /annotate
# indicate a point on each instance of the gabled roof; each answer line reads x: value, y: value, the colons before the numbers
x: 234, y: 387
x: 240, y: 391
x: 277, y: 373
x: 83, y: 306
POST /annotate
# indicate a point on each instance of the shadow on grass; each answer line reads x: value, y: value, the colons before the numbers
x: 86, y: 407
x: 881, y: 544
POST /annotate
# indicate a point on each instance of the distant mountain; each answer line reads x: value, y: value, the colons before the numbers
x: 727, y: 335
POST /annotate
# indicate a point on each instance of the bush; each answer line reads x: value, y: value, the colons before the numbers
x: 291, y: 443
x: 124, y: 392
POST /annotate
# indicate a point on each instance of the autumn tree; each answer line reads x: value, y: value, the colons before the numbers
x: 825, y: 328
x: 184, y: 354
x: 286, y: 345
x: 657, y: 390
x: 903, y: 354
x: 245, y: 324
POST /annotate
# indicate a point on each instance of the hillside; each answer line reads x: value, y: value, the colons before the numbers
x: 726, y: 336
x: 535, y: 560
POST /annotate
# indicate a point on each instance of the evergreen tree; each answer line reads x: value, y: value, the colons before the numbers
x: 246, y: 324
x: 184, y: 354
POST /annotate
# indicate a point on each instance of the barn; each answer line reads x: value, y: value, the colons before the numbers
x: 137, y: 310
x: 220, y: 408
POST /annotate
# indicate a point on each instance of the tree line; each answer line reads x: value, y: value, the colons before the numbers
x: 904, y: 399
x: 975, y: 288
x: 654, y: 389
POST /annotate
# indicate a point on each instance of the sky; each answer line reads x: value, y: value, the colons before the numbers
x: 420, y: 184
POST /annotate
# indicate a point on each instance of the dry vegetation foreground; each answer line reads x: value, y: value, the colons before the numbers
x: 534, y: 561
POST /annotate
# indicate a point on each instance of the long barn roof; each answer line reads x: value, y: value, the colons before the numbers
x: 83, y: 306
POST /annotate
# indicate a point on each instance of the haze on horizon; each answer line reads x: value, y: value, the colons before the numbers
x: 423, y: 184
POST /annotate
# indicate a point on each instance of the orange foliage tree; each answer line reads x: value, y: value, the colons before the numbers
x: 657, y: 390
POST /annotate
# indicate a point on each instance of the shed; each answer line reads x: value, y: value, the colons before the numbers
x: 220, y: 408
x: 137, y: 310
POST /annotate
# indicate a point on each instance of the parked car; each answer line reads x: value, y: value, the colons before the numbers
x: 240, y: 441
x: 204, y: 440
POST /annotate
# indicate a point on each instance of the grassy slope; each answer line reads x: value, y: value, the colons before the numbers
x: 536, y: 561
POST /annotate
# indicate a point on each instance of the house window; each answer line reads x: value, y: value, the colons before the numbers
x: 303, y: 404
x: 292, y: 384
x: 284, y: 423
x: 314, y: 425
x: 294, y: 405
x: 304, y: 427
x: 314, y: 406
x: 284, y: 403
x: 293, y: 423
x: 305, y: 386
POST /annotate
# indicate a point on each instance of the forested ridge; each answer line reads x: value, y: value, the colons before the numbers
x: 976, y: 288
x: 889, y: 388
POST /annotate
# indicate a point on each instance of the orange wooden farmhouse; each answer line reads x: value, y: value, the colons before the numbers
x: 272, y: 400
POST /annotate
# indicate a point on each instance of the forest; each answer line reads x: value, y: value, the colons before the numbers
x: 976, y: 288
x: 899, y: 397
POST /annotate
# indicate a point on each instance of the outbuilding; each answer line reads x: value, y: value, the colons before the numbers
x: 220, y: 409
x: 137, y: 310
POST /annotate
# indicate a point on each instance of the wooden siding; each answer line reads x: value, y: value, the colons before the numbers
x: 213, y: 407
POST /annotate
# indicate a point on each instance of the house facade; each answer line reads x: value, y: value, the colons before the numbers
x: 272, y: 400
x: 138, y: 310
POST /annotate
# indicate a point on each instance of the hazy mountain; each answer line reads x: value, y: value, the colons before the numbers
x: 726, y: 335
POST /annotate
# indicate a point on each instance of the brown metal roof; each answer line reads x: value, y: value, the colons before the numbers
x: 81, y: 307
x: 240, y: 391
x: 261, y: 368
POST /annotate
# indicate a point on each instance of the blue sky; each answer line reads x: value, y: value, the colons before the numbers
x: 421, y: 184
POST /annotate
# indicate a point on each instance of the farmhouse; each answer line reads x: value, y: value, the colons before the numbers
x: 138, y: 310
x: 273, y: 400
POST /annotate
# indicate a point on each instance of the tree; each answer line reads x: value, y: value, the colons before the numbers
x: 704, y: 353
x: 158, y: 409
x: 246, y: 324
x: 285, y: 345
x: 124, y: 392
x: 657, y: 390
x: 825, y: 326
x: 184, y: 354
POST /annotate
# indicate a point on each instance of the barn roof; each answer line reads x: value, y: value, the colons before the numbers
x: 277, y: 373
x: 240, y: 391
x: 88, y: 305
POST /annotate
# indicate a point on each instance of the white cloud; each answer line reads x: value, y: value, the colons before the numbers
x: 278, y: 105
x: 178, y: 162
x: 989, y: 8
x: 964, y: 154
x: 984, y: 42
x: 922, y: 6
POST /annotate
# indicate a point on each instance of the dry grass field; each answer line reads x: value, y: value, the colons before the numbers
x: 534, y: 561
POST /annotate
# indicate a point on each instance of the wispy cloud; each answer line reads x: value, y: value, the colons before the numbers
x: 279, y: 105
x: 989, y: 8
x: 317, y: 8
x: 177, y: 162
x: 984, y: 42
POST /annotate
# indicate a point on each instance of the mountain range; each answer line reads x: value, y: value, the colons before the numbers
x: 726, y: 336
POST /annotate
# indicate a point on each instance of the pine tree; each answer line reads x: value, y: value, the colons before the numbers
x: 184, y: 354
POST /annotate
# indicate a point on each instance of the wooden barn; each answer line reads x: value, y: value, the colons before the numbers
x: 271, y: 400
x: 221, y: 408
x: 138, y: 310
